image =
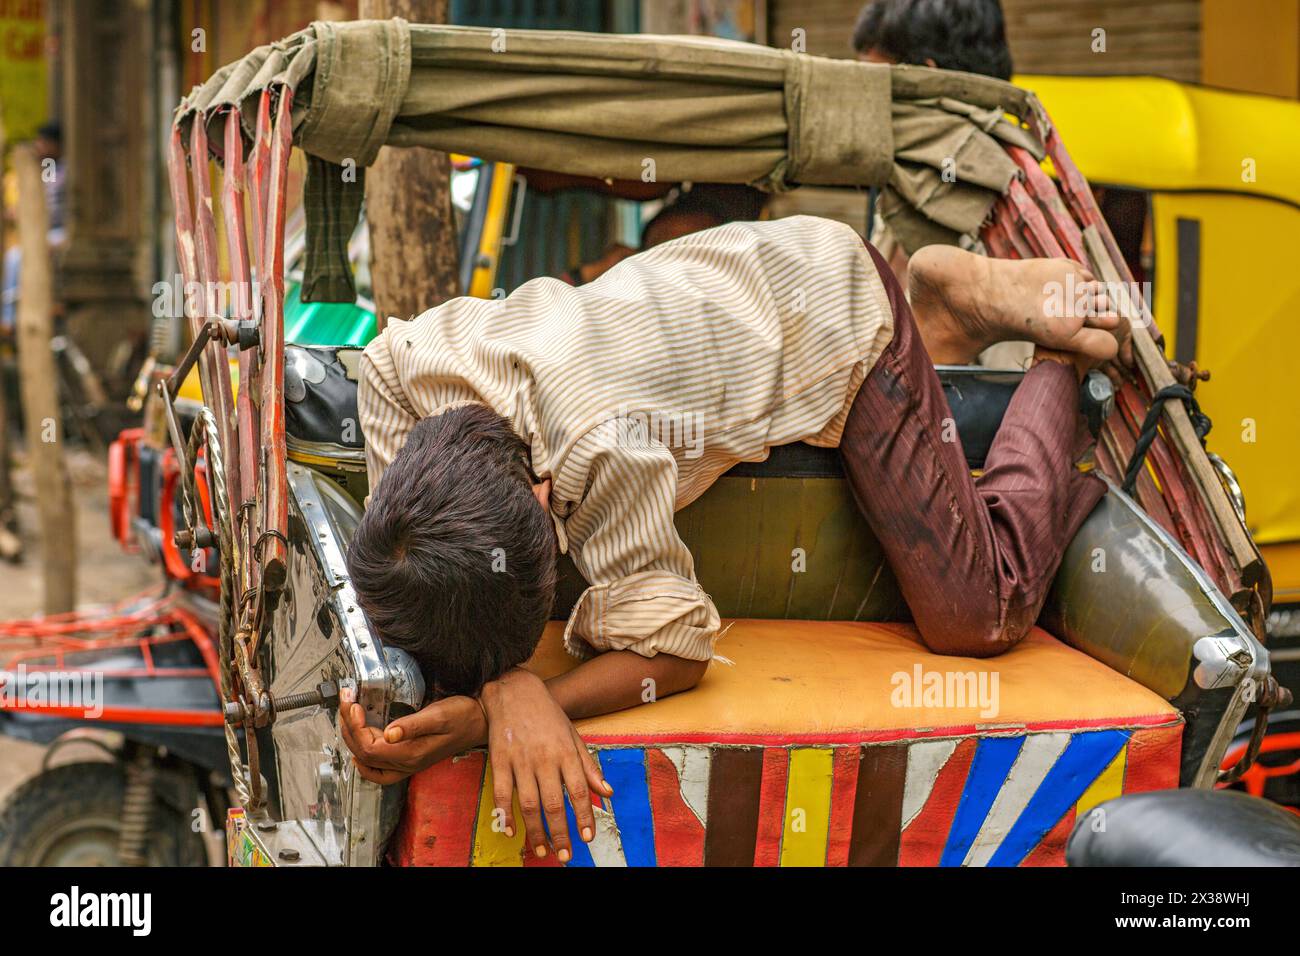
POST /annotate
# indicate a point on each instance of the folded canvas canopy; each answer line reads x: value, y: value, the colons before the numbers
x: 619, y: 106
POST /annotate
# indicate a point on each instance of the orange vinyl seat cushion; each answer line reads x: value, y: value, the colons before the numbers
x: 812, y: 681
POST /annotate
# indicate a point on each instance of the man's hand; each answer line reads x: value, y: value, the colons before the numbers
x: 534, y: 749
x: 409, y: 744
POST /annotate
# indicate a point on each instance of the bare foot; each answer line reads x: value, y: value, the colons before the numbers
x: 964, y: 303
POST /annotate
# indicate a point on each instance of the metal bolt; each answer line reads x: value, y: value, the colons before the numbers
x: 289, y: 855
x: 268, y: 826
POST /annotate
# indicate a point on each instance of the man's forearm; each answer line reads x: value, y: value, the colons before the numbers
x: 617, y: 680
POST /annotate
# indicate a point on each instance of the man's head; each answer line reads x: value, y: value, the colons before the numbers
x: 967, y: 35
x: 49, y: 141
x: 454, y: 559
x: 706, y: 205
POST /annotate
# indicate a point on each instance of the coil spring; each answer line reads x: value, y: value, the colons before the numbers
x: 137, y: 809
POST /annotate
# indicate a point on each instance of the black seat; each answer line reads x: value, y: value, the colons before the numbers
x: 1186, y: 828
x: 320, y: 396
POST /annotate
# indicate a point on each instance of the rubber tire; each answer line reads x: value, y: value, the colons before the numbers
x: 56, y: 799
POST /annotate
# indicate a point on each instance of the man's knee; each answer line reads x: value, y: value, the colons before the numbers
x: 973, y: 631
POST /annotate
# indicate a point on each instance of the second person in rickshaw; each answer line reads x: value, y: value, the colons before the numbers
x: 580, y: 419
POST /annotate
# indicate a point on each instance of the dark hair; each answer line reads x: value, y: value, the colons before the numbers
x: 454, y: 560
x: 721, y: 202
x: 51, y: 130
x: 967, y: 35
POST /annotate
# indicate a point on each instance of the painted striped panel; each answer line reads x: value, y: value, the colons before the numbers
x: 771, y: 807
x: 630, y: 805
x: 1081, y: 763
x: 1003, y: 800
x: 492, y: 847
x: 679, y: 792
x: 735, y: 785
x: 442, y: 833
x: 844, y: 791
x: 926, y: 832
x: 1038, y: 755
x: 994, y: 757
x: 807, y: 806
x: 878, y: 806
x: 1107, y: 786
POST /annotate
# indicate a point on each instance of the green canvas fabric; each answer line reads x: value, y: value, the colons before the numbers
x: 626, y: 107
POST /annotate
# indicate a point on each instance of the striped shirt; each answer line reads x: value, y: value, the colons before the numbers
x: 636, y: 391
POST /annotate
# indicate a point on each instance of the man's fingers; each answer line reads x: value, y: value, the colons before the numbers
x: 1097, y: 344
x: 378, y: 775
x: 352, y: 725
x: 1126, y: 351
x: 590, y: 769
x: 531, y: 807
x: 575, y: 783
x: 503, y: 794
x: 426, y: 721
x: 552, y: 794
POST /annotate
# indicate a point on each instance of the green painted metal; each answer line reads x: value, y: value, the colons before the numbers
x: 794, y: 548
x: 325, y: 323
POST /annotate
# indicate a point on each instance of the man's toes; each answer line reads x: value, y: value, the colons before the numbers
x: 1097, y: 344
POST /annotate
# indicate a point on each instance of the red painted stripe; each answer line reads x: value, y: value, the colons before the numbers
x: 679, y: 835
x: 532, y: 860
x: 441, y: 809
x: 844, y: 786
x: 771, y: 807
x: 1153, y: 758
x: 1051, y: 852
x: 884, y: 736
x: 130, y: 715
x: 921, y: 844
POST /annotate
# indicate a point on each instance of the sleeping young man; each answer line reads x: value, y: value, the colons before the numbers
x: 500, y: 433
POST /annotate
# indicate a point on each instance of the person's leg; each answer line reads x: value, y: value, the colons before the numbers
x: 964, y: 303
x: 974, y: 558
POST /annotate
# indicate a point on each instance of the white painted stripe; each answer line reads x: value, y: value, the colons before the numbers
x: 693, y: 766
x: 924, y: 761
x: 1037, y: 756
x: 607, y: 845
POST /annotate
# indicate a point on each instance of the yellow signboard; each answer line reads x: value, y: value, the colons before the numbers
x: 22, y: 67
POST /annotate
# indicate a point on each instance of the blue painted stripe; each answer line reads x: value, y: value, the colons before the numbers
x: 625, y: 771
x: 988, y: 771
x: 581, y: 854
x: 1082, y: 762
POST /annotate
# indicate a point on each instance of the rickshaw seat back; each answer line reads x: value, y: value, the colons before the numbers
x: 836, y: 743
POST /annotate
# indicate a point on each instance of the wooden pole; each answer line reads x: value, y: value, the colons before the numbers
x: 40, y: 390
x: 408, y: 206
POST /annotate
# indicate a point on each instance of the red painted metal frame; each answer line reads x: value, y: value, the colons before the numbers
x: 217, y: 391
x: 140, y: 623
x: 246, y: 413
x: 251, y: 427
x: 1036, y: 218
x: 1256, y: 778
x: 124, y: 485
x: 173, y: 563
x: 273, y: 543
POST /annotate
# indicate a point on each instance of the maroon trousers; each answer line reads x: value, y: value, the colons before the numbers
x: 974, y: 557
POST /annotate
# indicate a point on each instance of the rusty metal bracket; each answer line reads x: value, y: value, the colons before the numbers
x: 1273, y: 696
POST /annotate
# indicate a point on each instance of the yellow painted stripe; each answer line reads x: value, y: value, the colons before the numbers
x: 493, y: 847
x: 484, y: 276
x: 807, y: 807
x: 1106, y: 787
